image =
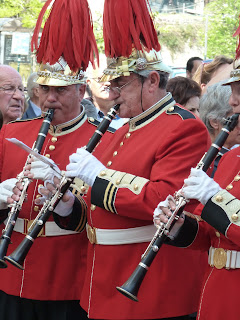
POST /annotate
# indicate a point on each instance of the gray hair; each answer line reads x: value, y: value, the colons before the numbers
x: 214, y: 104
x: 31, y: 84
x: 90, y: 108
x: 163, y: 77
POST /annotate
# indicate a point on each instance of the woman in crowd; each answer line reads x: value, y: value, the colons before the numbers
x: 186, y: 92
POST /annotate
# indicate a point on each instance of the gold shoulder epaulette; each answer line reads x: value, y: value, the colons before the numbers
x: 95, y: 122
x: 180, y: 111
x: 25, y: 120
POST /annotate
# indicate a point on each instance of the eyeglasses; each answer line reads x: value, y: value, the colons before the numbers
x: 97, y: 79
x: 119, y: 89
x: 11, y: 90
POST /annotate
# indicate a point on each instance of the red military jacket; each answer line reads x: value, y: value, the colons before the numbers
x: 55, y: 265
x: 219, y: 298
x: 152, y: 154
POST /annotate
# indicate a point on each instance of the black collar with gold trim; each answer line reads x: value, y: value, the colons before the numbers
x: 67, y: 127
x: 152, y: 113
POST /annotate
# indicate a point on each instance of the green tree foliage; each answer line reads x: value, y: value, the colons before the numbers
x: 177, y: 33
x: 213, y: 30
x: 98, y: 31
x: 221, y: 20
x: 27, y: 10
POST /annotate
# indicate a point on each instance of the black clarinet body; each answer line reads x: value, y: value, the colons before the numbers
x: 18, y: 256
x: 131, y: 287
x: 17, y: 206
x: 102, y: 128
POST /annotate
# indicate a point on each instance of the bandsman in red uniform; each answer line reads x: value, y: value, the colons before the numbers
x: 50, y: 285
x: 218, y: 230
x: 147, y: 158
x: 54, y: 268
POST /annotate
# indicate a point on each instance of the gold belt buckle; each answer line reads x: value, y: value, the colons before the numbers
x: 91, y: 234
x: 219, y: 258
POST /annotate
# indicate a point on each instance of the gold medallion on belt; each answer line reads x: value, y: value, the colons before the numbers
x: 91, y: 234
x: 219, y: 258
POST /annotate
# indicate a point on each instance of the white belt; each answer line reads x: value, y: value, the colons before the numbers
x: 50, y: 228
x: 222, y: 258
x: 120, y: 236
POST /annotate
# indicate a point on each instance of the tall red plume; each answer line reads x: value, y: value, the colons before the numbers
x: 68, y: 32
x: 237, y: 33
x: 128, y: 24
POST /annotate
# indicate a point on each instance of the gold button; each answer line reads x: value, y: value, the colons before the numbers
x: 128, y: 135
x: 52, y: 147
x: 115, y: 153
x: 40, y: 185
x: 219, y: 198
x: 83, y: 189
x: 47, y: 155
x: 117, y: 181
x: 93, y: 207
x: 91, y: 119
x: 36, y: 208
x: 109, y: 163
x: 237, y: 178
x: 132, y: 125
x: 217, y: 234
x: 54, y: 139
x: 170, y: 109
x: 234, y: 217
x: 38, y: 196
x: 102, y: 173
x: 229, y: 187
x: 121, y: 144
x: 135, y: 187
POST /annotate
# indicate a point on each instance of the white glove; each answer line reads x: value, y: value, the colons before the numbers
x: 43, y: 171
x: 84, y: 166
x: 6, y: 190
x: 44, y: 192
x: 200, y: 186
x: 163, y: 204
x: 63, y: 208
x: 163, y: 210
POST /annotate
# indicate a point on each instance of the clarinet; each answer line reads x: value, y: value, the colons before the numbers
x: 18, y: 256
x: 17, y: 205
x: 131, y: 287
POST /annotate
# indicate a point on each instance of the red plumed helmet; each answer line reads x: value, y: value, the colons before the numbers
x: 127, y: 24
x: 68, y: 33
x: 237, y: 33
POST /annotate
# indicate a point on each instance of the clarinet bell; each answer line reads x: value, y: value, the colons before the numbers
x: 124, y: 289
x: 131, y: 287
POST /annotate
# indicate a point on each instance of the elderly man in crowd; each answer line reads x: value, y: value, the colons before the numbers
x: 11, y: 94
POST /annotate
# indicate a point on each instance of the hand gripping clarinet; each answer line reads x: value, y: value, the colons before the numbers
x: 131, y: 286
x: 17, y: 205
x: 18, y: 256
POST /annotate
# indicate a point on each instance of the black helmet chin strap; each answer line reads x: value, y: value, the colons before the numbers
x: 142, y: 81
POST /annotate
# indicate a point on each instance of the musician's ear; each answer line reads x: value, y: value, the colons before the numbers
x: 215, y: 124
x: 153, y: 81
x: 81, y: 88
